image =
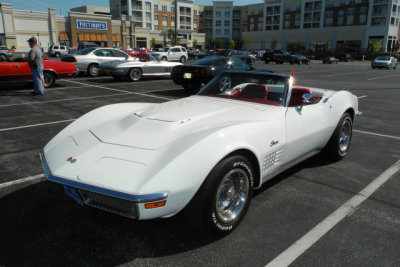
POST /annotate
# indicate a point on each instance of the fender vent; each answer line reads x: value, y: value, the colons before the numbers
x: 272, y: 159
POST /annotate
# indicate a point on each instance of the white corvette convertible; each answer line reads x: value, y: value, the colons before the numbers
x: 203, y: 154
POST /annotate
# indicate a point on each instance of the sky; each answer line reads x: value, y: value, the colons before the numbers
x: 63, y: 6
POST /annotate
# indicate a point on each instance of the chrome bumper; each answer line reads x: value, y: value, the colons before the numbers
x: 98, y: 197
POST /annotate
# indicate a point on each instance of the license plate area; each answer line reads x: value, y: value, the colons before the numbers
x: 187, y: 76
x: 74, y: 194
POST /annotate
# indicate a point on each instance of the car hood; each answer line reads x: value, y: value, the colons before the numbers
x: 162, y: 124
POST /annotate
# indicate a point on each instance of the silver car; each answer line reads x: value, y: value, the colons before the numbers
x: 134, y: 68
x: 88, y: 60
x: 386, y: 62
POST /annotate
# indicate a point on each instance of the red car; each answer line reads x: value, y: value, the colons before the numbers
x: 130, y: 51
x: 19, y: 71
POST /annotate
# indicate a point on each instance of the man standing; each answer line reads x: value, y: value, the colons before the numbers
x: 35, y: 62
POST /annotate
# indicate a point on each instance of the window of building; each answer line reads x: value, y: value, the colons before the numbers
x: 195, y: 21
x: 364, y: 10
x: 297, y: 17
x: 227, y: 23
x: 349, y: 21
x: 252, y: 12
x: 392, y: 21
x: 218, y: 23
x: 329, y: 14
x: 287, y: 8
x: 194, y: 11
x: 342, y: 2
x: 156, y: 27
x: 164, y: 8
x: 341, y: 13
x: 287, y: 17
x: 227, y: 14
x: 218, y: 14
x: 350, y: 12
x: 173, y: 19
x: 260, y: 11
x: 155, y: 7
x: 352, y: 2
x: 148, y: 26
x: 164, y: 18
x: 172, y: 9
x: 227, y: 32
x: 155, y: 17
x: 330, y: 3
x: 217, y: 31
x: 277, y: 9
x: 298, y: 7
x: 252, y: 20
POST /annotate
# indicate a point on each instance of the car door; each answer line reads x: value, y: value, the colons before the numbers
x: 174, y: 53
x: 103, y: 55
x: 10, y: 71
x: 306, y: 129
x: 118, y: 55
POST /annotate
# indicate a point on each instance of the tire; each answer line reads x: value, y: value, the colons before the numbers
x: 339, y: 144
x: 182, y: 59
x: 58, y: 54
x: 277, y: 62
x: 93, y: 70
x: 117, y: 78
x: 49, y: 79
x: 3, y: 58
x: 308, y: 62
x: 224, y: 197
x: 164, y: 59
x: 135, y: 74
x: 291, y: 62
x: 192, y: 86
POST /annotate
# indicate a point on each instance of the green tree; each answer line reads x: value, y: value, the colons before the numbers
x: 153, y: 42
x: 248, y: 42
x: 221, y: 43
x: 195, y: 43
x: 274, y: 42
x: 233, y: 44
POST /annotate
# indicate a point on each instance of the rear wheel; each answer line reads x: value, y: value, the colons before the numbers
x: 49, y: 79
x: 182, y: 60
x: 93, y: 70
x: 58, y: 54
x: 339, y: 144
x: 163, y: 59
x: 3, y: 57
x: 135, y: 74
x: 224, y: 197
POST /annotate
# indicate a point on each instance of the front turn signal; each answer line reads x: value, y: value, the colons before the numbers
x: 155, y: 204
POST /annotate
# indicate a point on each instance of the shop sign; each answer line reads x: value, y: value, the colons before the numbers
x: 91, y: 25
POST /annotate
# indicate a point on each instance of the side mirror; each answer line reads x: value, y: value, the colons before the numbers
x: 307, y: 99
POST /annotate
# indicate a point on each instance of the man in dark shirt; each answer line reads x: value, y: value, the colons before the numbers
x: 35, y: 62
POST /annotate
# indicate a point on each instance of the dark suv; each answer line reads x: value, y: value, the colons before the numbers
x: 277, y: 56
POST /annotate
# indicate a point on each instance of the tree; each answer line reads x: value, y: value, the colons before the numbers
x: 221, y: 43
x: 171, y: 37
x: 274, y: 42
x: 153, y: 42
x: 248, y: 42
x: 233, y: 44
x: 195, y: 43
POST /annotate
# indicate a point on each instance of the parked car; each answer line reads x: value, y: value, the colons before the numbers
x: 386, y: 62
x: 18, y: 70
x: 299, y: 59
x: 235, y: 54
x: 204, y: 155
x: 5, y: 53
x: 193, y: 76
x: 330, y: 60
x: 89, y: 59
x: 191, y: 54
x: 135, y: 68
x: 277, y: 56
x: 57, y: 50
x: 176, y: 53
x: 130, y: 51
x: 345, y: 57
x: 86, y: 45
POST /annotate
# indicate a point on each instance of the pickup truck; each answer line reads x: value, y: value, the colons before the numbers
x: 277, y: 56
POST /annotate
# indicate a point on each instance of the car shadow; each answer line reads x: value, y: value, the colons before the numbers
x: 41, y: 226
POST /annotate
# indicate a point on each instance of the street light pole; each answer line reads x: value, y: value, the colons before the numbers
x: 176, y: 21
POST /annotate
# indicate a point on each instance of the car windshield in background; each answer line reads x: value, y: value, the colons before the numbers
x: 154, y: 57
x: 212, y: 61
x: 85, y: 51
x: 256, y: 88
x: 383, y: 58
x: 223, y: 53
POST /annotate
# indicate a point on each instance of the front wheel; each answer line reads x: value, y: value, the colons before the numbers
x: 49, y: 79
x: 3, y: 58
x: 182, y: 60
x: 93, y: 70
x: 163, y: 59
x: 224, y: 197
x: 135, y: 75
x: 339, y: 144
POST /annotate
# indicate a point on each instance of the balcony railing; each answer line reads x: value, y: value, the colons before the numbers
x: 137, y: 8
x: 137, y: 18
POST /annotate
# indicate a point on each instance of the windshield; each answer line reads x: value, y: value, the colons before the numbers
x: 154, y: 57
x: 383, y: 58
x: 85, y: 51
x: 251, y: 87
x: 212, y: 61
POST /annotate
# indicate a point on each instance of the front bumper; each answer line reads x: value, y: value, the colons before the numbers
x: 120, y: 203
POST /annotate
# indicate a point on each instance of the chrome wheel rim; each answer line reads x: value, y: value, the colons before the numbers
x: 135, y: 75
x: 345, y: 135
x: 93, y: 70
x: 225, y: 83
x: 232, y: 195
x: 47, y: 79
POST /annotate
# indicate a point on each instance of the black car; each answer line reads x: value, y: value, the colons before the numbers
x: 235, y: 54
x: 330, y: 60
x: 299, y: 59
x: 192, y: 77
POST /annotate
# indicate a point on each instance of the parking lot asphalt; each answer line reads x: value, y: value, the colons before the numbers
x: 314, y: 214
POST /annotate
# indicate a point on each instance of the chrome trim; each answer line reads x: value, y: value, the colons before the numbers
x: 100, y: 190
x: 359, y: 113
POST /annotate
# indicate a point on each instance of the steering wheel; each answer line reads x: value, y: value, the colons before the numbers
x: 225, y: 83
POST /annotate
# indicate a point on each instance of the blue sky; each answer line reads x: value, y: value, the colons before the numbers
x: 63, y: 6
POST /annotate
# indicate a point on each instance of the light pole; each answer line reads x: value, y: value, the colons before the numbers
x: 176, y: 20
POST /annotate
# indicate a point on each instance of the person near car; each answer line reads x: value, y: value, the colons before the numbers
x: 35, y: 62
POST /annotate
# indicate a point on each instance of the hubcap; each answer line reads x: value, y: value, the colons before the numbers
x: 232, y: 195
x: 345, y: 136
x: 135, y: 75
x: 225, y: 83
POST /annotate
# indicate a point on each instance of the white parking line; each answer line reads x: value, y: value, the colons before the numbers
x: 376, y: 134
x: 34, y: 125
x: 23, y: 180
x: 102, y: 87
x: 363, y: 96
x: 300, y: 246
x: 347, y: 73
x: 383, y: 77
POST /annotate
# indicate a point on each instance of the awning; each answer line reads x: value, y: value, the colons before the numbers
x: 81, y: 36
x: 63, y: 36
x: 116, y: 38
x: 92, y: 37
x: 104, y: 37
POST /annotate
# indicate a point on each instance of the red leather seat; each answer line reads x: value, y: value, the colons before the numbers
x: 296, y: 99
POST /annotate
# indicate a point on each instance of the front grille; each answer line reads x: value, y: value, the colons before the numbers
x: 111, y: 204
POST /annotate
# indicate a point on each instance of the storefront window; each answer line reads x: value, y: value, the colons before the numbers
x: 320, y: 46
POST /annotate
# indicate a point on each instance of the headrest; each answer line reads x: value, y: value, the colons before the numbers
x: 255, y: 90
